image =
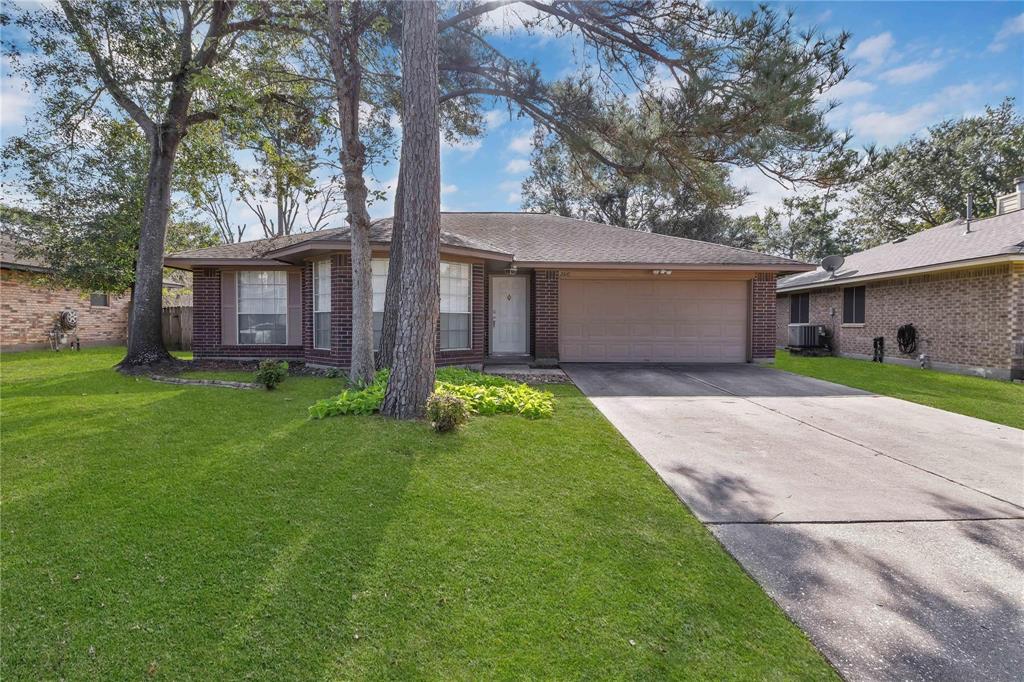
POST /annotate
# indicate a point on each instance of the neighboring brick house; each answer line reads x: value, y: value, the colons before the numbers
x: 962, y: 290
x: 29, y: 302
x: 521, y: 286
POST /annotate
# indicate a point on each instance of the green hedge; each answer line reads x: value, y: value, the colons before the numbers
x: 483, y: 394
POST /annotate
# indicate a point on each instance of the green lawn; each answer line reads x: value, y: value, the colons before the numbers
x: 996, y: 401
x: 207, y: 533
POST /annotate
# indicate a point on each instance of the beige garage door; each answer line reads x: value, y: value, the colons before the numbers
x: 655, y: 320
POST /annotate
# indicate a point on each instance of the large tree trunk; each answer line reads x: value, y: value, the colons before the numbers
x: 389, y: 327
x: 412, y: 374
x: 347, y: 70
x: 145, y: 340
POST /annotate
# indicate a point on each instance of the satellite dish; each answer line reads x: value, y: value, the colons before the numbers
x: 832, y: 263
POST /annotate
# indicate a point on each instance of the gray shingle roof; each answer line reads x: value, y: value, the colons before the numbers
x: 531, y: 238
x: 17, y: 254
x: 948, y: 243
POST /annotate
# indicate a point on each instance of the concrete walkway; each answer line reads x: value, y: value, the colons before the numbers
x: 892, y: 533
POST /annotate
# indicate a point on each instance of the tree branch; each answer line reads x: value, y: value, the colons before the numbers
x: 115, y: 89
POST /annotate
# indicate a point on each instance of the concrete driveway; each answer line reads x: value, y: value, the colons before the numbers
x: 892, y: 533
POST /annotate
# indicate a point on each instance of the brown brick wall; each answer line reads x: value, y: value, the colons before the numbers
x: 29, y: 302
x: 545, y: 314
x: 963, y: 317
x: 1016, y: 307
x: 762, y: 317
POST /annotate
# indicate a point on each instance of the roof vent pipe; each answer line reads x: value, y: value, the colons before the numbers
x: 970, y: 212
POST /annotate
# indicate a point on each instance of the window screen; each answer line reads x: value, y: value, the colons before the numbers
x: 322, y: 304
x: 98, y: 299
x: 379, y: 268
x: 853, y: 305
x: 800, y: 308
x: 263, y: 307
x: 456, y: 304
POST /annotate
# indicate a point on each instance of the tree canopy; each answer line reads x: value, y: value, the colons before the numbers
x: 924, y: 181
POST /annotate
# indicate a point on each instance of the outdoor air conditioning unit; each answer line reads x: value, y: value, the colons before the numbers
x: 806, y: 335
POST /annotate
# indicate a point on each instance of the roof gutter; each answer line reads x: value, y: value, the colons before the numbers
x: 25, y: 267
x: 314, y: 246
x: 755, y: 267
x: 189, y: 263
x: 892, y: 274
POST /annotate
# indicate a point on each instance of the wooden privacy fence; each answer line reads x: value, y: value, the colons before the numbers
x: 177, y: 327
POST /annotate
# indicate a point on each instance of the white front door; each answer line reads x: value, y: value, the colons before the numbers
x: 508, y: 315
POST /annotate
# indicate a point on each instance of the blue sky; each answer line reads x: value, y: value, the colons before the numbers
x: 915, y: 63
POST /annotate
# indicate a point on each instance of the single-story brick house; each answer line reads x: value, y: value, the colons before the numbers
x: 30, y: 300
x: 513, y: 285
x: 960, y: 286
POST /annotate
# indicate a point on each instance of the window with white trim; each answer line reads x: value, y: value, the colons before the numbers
x: 322, y: 304
x: 379, y: 270
x: 263, y: 307
x: 456, y: 305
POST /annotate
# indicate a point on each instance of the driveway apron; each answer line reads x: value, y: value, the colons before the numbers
x: 891, y: 532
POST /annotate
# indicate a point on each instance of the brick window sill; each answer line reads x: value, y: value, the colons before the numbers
x: 852, y: 325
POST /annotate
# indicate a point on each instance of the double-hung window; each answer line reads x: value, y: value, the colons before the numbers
x: 853, y: 305
x: 379, y: 268
x: 800, y: 308
x: 263, y: 307
x: 322, y: 304
x: 456, y: 305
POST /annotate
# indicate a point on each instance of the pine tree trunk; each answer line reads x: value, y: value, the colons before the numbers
x: 347, y: 71
x: 412, y: 374
x: 389, y: 327
x: 145, y: 339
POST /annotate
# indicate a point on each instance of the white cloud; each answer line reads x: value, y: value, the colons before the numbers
x: 824, y: 16
x: 514, y: 198
x: 510, y: 186
x: 467, y: 146
x: 523, y: 144
x: 448, y: 189
x: 764, y: 191
x: 911, y: 73
x: 495, y: 118
x: 850, y: 88
x: 15, y: 101
x: 1010, y: 28
x: 517, y: 166
x: 875, y: 49
x: 886, y: 128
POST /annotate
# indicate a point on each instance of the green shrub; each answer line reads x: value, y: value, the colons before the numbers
x: 461, y: 377
x: 270, y: 373
x: 365, y: 400
x: 512, y: 398
x: 482, y: 394
x: 446, y: 411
